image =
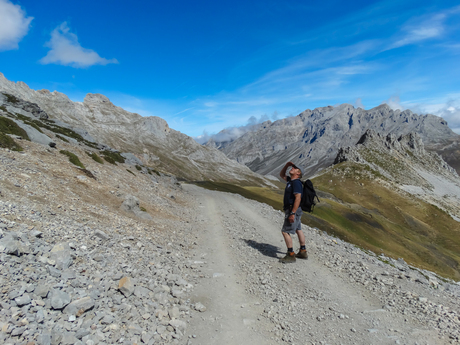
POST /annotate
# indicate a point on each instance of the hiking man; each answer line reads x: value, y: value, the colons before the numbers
x: 293, y: 213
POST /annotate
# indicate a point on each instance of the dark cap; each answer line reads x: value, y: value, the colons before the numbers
x: 298, y: 167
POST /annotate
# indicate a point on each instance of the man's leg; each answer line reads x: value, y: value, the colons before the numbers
x: 286, y: 230
x: 290, y: 255
x: 302, y: 254
x: 301, y: 237
x: 288, y: 239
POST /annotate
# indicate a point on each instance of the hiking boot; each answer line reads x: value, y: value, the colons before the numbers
x: 290, y: 257
x: 302, y: 254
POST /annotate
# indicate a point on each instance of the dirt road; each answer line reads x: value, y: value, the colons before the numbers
x: 251, y: 298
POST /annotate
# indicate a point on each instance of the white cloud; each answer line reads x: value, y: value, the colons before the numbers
x: 67, y: 51
x: 394, y: 103
x: 232, y: 133
x: 14, y: 25
x: 448, y: 110
x: 413, y: 33
x: 358, y: 103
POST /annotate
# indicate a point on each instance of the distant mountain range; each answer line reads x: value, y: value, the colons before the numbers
x: 382, y: 183
x: 313, y: 138
x: 96, y: 119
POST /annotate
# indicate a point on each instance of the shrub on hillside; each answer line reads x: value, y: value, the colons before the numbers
x: 73, y: 158
x: 112, y: 157
x: 8, y: 126
x: 94, y: 156
x: 8, y: 143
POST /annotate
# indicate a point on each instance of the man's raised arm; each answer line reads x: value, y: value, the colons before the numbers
x: 283, y: 171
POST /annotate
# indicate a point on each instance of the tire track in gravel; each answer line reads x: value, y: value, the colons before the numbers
x: 301, y: 303
x: 231, y: 315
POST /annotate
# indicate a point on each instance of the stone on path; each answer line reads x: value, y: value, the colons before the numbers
x: 126, y: 286
x: 59, y: 299
x: 79, y: 306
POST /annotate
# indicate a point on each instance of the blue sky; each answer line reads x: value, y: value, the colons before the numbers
x: 210, y: 65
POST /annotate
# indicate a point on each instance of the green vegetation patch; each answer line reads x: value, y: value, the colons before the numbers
x: 94, y: 156
x: 8, y: 126
x: 9, y: 143
x: 73, y: 158
x: 62, y: 138
x: 130, y: 171
x: 51, y: 126
x: 112, y: 157
x: 11, y: 98
x: 138, y: 167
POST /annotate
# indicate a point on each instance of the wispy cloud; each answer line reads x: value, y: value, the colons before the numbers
x: 326, y: 71
x: 394, y: 102
x: 183, y: 111
x: 337, y: 74
x: 14, y: 25
x: 232, y: 133
x: 424, y: 28
x: 447, y: 108
x: 66, y: 50
x: 345, y: 60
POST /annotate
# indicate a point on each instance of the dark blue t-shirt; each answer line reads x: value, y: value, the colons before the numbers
x: 292, y: 187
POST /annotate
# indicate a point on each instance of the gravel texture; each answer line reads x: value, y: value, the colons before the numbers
x: 82, y: 263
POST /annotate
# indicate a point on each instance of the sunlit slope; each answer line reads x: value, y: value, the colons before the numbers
x: 363, y: 210
x: 360, y: 208
x: 386, y: 194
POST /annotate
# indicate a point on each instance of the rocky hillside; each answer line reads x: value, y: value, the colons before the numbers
x: 96, y: 119
x: 125, y: 258
x: 390, y: 194
x: 82, y: 257
x: 404, y: 163
x: 313, y: 138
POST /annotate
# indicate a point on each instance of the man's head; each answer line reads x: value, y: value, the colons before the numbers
x: 295, y: 172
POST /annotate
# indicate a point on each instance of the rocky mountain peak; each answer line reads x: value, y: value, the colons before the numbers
x: 403, y: 161
x: 96, y: 98
x: 387, y: 144
x: 98, y: 120
x: 314, y: 137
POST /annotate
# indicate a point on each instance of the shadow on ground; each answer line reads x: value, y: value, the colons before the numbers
x: 265, y: 248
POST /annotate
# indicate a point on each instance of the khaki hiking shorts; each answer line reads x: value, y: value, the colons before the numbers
x: 291, y: 228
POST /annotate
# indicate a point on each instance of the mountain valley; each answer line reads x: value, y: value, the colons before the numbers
x: 106, y: 235
x: 312, y: 139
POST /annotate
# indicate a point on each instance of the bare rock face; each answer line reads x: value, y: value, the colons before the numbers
x: 314, y: 137
x: 403, y: 162
x: 150, y: 138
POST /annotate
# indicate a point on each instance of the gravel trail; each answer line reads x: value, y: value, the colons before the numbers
x: 250, y: 295
x: 134, y: 258
x: 231, y: 313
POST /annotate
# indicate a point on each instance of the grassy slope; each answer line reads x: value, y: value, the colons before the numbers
x: 380, y: 219
x: 375, y: 218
